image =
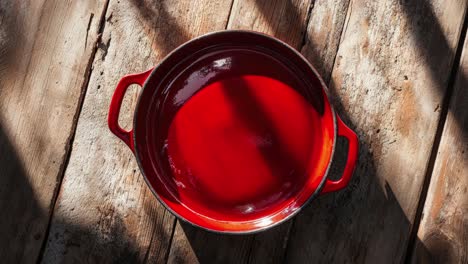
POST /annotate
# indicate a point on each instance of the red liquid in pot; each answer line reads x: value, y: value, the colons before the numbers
x: 240, y: 146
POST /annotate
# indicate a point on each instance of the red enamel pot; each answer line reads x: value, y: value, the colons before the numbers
x: 234, y: 132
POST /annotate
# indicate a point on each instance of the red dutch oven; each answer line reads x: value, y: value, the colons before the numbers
x: 234, y: 132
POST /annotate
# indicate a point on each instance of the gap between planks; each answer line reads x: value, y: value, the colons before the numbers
x: 71, y: 138
x: 438, y: 136
x: 174, y: 224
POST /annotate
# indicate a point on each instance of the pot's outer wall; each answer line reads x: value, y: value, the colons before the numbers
x: 148, y: 119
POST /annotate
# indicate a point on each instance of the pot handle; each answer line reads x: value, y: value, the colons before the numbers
x: 353, y: 143
x: 116, y: 104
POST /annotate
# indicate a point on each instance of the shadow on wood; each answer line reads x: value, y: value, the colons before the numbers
x: 23, y: 222
x: 209, y: 247
x: 70, y: 238
x: 348, y: 215
x: 11, y: 34
x: 440, y: 248
x: 154, y: 15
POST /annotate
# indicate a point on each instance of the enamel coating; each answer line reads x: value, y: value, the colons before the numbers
x: 234, y: 132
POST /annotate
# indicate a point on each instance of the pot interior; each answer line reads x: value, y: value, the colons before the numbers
x: 234, y: 132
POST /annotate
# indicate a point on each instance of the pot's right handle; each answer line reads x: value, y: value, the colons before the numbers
x: 116, y: 104
x: 353, y: 143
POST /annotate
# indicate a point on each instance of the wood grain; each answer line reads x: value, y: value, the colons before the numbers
x: 388, y: 81
x: 443, y: 232
x: 287, y: 21
x: 105, y: 212
x: 45, y: 51
x: 327, y: 20
x: 284, y: 19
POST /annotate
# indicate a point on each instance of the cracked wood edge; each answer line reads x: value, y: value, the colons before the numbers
x: 44, y: 62
x: 388, y: 81
x: 105, y: 212
x: 443, y: 232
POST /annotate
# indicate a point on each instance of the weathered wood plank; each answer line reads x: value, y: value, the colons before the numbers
x: 443, y: 232
x: 324, y: 30
x: 193, y: 245
x: 45, y: 51
x: 286, y: 20
x: 105, y: 212
x: 388, y: 82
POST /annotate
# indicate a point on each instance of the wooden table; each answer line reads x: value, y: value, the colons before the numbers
x: 71, y: 192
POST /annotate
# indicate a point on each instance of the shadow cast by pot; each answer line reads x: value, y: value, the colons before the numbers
x: 23, y: 223
x: 338, y: 222
x: 22, y: 226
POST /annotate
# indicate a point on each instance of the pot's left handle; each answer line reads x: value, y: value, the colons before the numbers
x: 116, y: 103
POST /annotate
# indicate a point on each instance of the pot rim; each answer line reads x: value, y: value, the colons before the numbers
x: 309, y: 199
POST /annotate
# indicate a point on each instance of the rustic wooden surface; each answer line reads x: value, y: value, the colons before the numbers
x: 45, y: 50
x: 389, y: 66
x: 443, y: 231
x: 389, y: 79
x: 320, y: 44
